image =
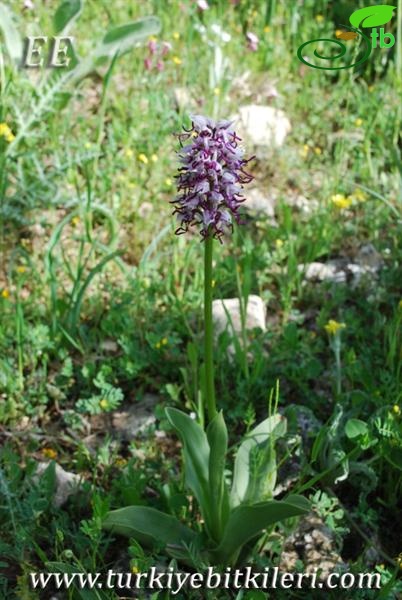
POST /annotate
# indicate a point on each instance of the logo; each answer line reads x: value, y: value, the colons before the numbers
x: 371, y: 16
x: 58, y: 51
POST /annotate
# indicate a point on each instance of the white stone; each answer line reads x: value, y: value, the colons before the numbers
x: 259, y: 202
x: 323, y: 272
x: 226, y: 314
x: 136, y: 418
x: 301, y: 203
x: 182, y: 99
x: 368, y: 256
x: 263, y: 125
x: 66, y: 483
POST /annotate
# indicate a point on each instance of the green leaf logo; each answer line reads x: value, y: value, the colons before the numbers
x: 372, y: 16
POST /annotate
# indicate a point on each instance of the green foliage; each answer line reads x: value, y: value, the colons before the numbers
x: 108, y: 399
x: 229, y: 523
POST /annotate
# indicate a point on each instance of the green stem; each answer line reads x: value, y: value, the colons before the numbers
x: 208, y: 324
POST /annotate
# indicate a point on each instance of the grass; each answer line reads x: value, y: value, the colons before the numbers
x: 101, y: 304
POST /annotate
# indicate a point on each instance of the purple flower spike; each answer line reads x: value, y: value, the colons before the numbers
x: 211, y: 177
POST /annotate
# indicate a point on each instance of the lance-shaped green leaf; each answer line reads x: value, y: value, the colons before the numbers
x: 218, y: 442
x: 245, y: 522
x: 123, y: 38
x: 10, y: 33
x: 66, y: 13
x: 148, y: 526
x: 372, y: 16
x: 196, y: 459
x: 255, y: 466
x: 117, y: 41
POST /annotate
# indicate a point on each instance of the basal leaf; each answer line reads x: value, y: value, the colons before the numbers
x: 372, y: 16
x: 196, y: 458
x: 125, y: 37
x: 10, y: 33
x: 245, y: 522
x: 67, y: 11
x: 148, y: 525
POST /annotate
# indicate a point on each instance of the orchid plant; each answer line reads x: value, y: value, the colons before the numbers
x: 234, y: 513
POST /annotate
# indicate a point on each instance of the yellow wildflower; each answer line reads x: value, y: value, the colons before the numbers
x: 213, y: 283
x: 49, y: 453
x: 332, y: 327
x: 319, y: 18
x: 74, y: 221
x: 120, y: 462
x: 338, y: 32
x: 154, y: 158
x: 129, y: 153
x: 340, y: 201
x: 217, y: 91
x: 152, y: 38
x: 359, y: 196
x: 21, y: 269
x: 87, y: 145
x: 135, y: 570
x: 164, y: 341
x: 317, y: 151
x: 5, y: 294
x: 177, y: 60
x: 267, y: 29
x: 157, y: 345
x: 104, y: 404
x: 168, y: 182
x: 143, y: 158
x: 176, y: 35
x: 278, y: 243
x: 6, y: 132
x: 304, y: 151
x: 396, y: 410
x: 359, y: 122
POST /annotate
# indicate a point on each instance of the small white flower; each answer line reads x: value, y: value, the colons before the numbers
x: 222, y: 35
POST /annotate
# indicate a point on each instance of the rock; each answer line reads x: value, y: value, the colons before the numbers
x: 323, y: 272
x: 109, y: 346
x: 263, y: 125
x: 315, y: 545
x: 247, y: 87
x: 341, y: 270
x: 368, y: 257
x: 226, y: 314
x: 144, y: 210
x: 182, y: 99
x: 136, y: 418
x: 66, y: 483
x: 301, y: 203
x: 259, y: 202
